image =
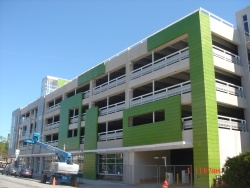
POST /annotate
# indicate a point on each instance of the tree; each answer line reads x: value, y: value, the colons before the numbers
x: 3, y: 147
x: 236, y: 171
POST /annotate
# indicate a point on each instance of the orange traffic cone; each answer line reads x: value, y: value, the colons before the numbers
x: 165, y: 184
x: 54, y: 181
x: 76, y: 184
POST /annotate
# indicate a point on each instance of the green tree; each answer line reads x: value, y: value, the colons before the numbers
x: 3, y: 147
x: 236, y: 171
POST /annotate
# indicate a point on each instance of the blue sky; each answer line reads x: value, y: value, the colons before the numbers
x: 64, y: 38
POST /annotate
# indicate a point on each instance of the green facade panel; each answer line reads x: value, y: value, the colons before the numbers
x: 91, y: 74
x: 168, y: 130
x: 204, y: 105
x: 91, y: 126
x: 67, y: 104
x: 90, y: 143
x: 90, y: 161
x: 61, y: 82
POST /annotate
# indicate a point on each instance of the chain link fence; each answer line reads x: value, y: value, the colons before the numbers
x: 152, y: 174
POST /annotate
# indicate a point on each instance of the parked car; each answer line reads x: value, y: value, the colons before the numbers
x: 1, y: 169
x: 9, y: 170
x: 23, y: 172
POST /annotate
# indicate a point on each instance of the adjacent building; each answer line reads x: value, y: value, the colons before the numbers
x: 177, y: 102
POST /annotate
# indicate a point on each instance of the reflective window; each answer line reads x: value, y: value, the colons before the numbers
x: 245, y: 24
x: 110, y: 164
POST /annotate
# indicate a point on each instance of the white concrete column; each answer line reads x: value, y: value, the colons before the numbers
x: 41, y: 165
x: 92, y: 84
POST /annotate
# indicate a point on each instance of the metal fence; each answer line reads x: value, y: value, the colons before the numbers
x: 152, y: 174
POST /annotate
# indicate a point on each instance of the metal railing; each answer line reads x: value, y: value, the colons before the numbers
x: 110, y: 84
x: 223, y: 122
x: 160, y: 63
x: 112, y: 108
x: 52, y: 142
x: 110, y: 135
x: 178, y: 89
x: 53, y: 108
x: 86, y: 94
x: 74, y: 119
x: 51, y: 126
x: 82, y: 139
x: 218, y: 18
x: 226, y: 55
x: 228, y: 88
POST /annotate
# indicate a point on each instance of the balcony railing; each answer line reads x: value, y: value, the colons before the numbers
x: 160, y: 63
x: 178, y: 89
x: 83, y: 116
x: 223, y: 122
x: 53, y: 108
x: 110, y: 135
x: 51, y: 126
x: 52, y: 142
x: 112, y: 108
x: 82, y: 140
x: 74, y: 119
x: 226, y: 55
x: 228, y: 88
x: 110, y: 84
x: 86, y: 94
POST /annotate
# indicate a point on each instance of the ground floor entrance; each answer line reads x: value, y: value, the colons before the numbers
x: 147, y: 167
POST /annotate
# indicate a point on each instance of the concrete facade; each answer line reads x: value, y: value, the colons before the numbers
x: 181, y: 95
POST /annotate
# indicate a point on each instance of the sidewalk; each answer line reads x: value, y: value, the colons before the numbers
x: 106, y: 184
x: 84, y: 183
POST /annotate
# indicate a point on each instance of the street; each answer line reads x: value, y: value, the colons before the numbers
x: 16, y: 182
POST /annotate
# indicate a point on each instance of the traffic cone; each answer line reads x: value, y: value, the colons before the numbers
x: 165, y: 184
x: 76, y: 184
x: 54, y: 181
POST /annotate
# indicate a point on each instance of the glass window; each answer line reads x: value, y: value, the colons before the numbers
x: 110, y: 164
x: 246, y: 27
x: 244, y: 18
x: 245, y: 24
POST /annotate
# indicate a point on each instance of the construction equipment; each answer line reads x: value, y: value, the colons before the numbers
x: 63, y: 171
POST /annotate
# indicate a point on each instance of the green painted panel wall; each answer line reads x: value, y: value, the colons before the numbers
x: 90, y: 143
x: 204, y: 105
x: 91, y: 125
x: 67, y: 104
x: 92, y: 73
x: 153, y: 133
x: 61, y: 82
x: 90, y: 168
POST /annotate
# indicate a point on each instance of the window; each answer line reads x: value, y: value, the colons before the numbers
x: 110, y: 164
x: 151, y: 117
x: 245, y: 24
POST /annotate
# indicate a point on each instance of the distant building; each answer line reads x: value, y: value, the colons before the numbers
x: 181, y: 95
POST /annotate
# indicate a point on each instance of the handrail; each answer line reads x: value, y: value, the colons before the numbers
x: 113, y: 105
x: 58, y: 104
x: 235, y: 89
x: 108, y: 83
x: 187, y: 123
x: 110, y: 135
x: 56, y: 122
x: 168, y: 57
x: 86, y: 94
x: 160, y: 91
x: 218, y: 18
x: 229, y: 84
x: 217, y: 50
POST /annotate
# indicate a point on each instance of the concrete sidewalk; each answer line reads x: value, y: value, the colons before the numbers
x: 84, y: 183
x: 106, y: 184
